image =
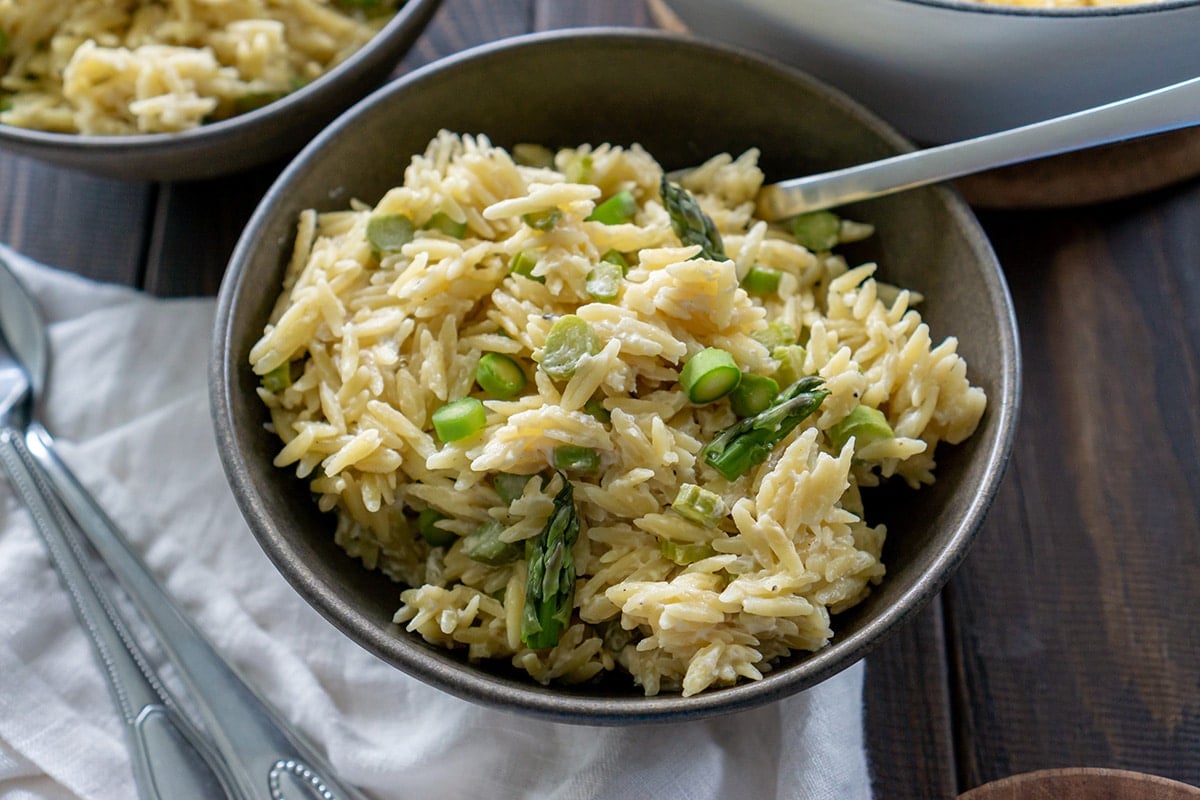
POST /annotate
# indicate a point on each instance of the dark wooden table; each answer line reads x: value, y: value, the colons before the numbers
x: 1070, y: 636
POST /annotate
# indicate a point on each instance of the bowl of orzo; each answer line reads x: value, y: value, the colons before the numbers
x: 548, y: 428
x: 944, y: 70
x: 145, y: 90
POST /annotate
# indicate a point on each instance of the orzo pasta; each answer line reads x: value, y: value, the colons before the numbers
x: 593, y: 421
x: 147, y: 66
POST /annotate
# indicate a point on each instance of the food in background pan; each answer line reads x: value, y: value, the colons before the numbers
x: 113, y: 67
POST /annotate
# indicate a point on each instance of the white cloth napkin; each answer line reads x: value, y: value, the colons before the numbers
x: 128, y: 404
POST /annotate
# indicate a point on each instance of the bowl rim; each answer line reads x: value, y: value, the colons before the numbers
x: 1072, y: 12
x: 439, y: 669
x: 398, y: 27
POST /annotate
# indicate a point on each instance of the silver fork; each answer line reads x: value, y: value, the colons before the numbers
x: 1166, y: 109
x: 261, y: 755
x: 171, y: 759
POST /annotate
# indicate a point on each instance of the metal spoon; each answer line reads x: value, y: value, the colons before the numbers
x: 263, y: 756
x: 1169, y: 108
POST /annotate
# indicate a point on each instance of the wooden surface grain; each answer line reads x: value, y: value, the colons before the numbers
x: 1074, y: 617
x: 1069, y: 637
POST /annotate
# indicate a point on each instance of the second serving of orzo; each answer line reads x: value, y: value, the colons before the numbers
x: 591, y: 420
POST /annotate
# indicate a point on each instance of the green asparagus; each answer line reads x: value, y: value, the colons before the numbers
x: 749, y: 441
x: 617, y: 209
x: 569, y: 340
x: 442, y: 222
x: 509, y: 486
x: 777, y: 334
x: 817, y: 230
x: 485, y: 545
x: 550, y: 588
x: 278, y: 379
x: 427, y: 526
x: 690, y: 223
x: 865, y: 424
x: 387, y: 233
x: 684, y: 554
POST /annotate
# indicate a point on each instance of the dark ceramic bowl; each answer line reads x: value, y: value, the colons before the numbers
x: 276, y: 130
x: 683, y: 100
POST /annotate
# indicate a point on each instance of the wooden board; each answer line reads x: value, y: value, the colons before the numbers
x: 1083, y: 784
x: 1090, y: 176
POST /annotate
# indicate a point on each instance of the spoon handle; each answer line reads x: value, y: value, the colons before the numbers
x: 171, y: 759
x: 266, y: 757
x: 1169, y: 108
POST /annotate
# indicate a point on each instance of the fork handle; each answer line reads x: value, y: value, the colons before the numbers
x: 267, y: 758
x: 1166, y: 109
x: 170, y: 757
